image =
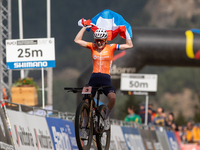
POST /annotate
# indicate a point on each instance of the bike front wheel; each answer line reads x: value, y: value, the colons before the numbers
x: 103, y: 139
x: 81, y: 127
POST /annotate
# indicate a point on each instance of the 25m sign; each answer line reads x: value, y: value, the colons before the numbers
x: 30, y: 53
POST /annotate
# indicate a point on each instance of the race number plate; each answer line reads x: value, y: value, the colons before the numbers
x: 87, y: 90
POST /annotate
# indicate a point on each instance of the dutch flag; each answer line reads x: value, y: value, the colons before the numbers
x: 113, y: 23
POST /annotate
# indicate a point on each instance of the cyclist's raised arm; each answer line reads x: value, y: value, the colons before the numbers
x: 79, y: 36
x: 129, y: 44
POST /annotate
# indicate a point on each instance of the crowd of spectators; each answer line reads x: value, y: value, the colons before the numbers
x: 190, y: 133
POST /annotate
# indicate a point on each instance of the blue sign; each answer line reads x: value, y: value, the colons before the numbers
x: 62, y: 133
x: 133, y: 138
x: 172, y: 140
x: 31, y: 64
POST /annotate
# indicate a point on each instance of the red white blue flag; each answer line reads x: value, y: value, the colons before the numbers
x: 112, y: 22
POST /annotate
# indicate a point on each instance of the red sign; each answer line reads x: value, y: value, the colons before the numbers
x: 190, y: 147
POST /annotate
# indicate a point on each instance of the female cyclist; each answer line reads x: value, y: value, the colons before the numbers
x: 102, y: 55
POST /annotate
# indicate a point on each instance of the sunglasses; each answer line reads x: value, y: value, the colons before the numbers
x: 99, y: 40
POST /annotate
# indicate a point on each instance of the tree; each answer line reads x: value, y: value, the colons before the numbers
x: 180, y: 119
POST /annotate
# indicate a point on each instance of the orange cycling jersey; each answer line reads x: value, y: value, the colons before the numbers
x: 102, y: 60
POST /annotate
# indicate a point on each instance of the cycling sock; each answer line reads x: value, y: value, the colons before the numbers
x: 85, y: 121
x: 108, y: 111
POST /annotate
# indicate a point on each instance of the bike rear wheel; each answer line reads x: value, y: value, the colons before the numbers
x: 83, y: 111
x: 103, y: 139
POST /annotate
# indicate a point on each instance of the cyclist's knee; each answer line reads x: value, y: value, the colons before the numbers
x: 112, y: 98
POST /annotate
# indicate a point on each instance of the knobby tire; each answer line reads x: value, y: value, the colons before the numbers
x: 83, y: 144
x: 103, y: 140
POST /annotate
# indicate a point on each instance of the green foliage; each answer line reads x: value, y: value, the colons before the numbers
x: 62, y: 100
x: 194, y: 22
x: 142, y: 19
x: 175, y: 79
x: 25, y: 81
x: 180, y: 120
x: 124, y: 101
x: 197, y: 112
x: 72, y: 57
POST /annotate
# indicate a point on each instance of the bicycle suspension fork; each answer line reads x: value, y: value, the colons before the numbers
x: 90, y: 113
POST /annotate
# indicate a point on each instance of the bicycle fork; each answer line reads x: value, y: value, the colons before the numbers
x: 90, y: 114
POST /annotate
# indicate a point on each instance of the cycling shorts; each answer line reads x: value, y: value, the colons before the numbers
x: 100, y: 79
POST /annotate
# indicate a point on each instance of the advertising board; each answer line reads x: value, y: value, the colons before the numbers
x: 154, y: 138
x: 147, y: 139
x: 5, y: 140
x: 30, y: 53
x: 117, y: 141
x: 62, y: 133
x: 133, y: 138
x: 172, y: 140
x: 30, y: 132
x: 162, y: 138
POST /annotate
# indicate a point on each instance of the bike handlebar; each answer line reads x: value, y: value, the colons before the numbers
x: 75, y: 90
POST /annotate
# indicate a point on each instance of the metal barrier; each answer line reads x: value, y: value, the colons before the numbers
x: 58, y: 114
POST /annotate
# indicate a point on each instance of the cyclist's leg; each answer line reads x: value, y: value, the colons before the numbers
x: 111, y: 103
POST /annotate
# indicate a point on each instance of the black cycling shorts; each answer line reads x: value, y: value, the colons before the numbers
x: 100, y: 79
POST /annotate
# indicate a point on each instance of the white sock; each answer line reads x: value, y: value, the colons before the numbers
x: 108, y: 111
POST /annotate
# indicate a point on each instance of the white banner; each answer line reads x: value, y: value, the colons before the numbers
x: 30, y: 132
x: 117, y: 141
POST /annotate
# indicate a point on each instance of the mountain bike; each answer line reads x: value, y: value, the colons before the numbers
x: 95, y: 119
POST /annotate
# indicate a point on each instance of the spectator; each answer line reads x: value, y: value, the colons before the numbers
x: 180, y: 132
x: 153, y: 112
x: 132, y: 116
x: 196, y: 134
x: 159, y: 120
x: 189, y: 132
x: 183, y: 138
x: 142, y: 113
x: 170, y: 122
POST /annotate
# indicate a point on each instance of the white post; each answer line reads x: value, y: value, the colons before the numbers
x: 146, y: 108
x: 43, y: 100
x: 48, y: 36
x: 20, y: 30
x: 49, y: 70
x: 48, y: 19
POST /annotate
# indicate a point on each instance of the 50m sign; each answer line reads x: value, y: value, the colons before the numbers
x: 30, y: 53
x: 139, y: 82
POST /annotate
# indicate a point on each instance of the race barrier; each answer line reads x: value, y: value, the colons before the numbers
x: 23, y: 131
x: 5, y: 140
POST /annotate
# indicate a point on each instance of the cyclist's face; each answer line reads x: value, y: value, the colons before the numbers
x: 100, y: 43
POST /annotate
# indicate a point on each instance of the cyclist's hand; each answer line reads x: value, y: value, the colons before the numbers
x: 85, y: 23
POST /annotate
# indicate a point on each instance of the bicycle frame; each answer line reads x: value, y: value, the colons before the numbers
x: 95, y: 121
x: 97, y: 113
x: 91, y: 104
